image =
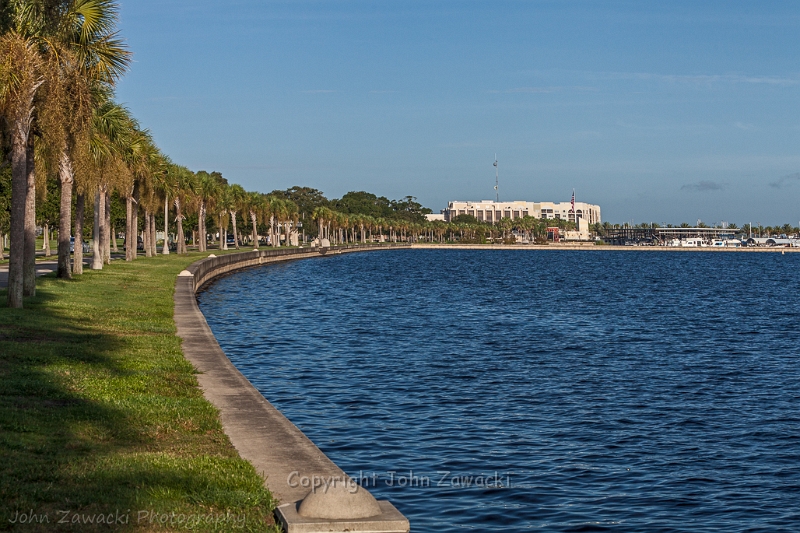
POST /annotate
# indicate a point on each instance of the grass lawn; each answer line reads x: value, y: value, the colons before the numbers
x: 101, y: 417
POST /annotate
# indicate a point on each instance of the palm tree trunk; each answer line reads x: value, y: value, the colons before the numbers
x: 46, y: 246
x: 113, y: 238
x: 255, y: 230
x: 235, y: 233
x: 19, y: 191
x: 179, y: 221
x: 130, y: 237
x: 66, y: 179
x: 201, y: 224
x: 77, y: 254
x: 153, y: 250
x: 146, y: 236
x: 29, y: 267
x: 135, y: 218
x: 105, y: 227
x: 97, y: 257
x: 19, y: 120
x: 165, y: 248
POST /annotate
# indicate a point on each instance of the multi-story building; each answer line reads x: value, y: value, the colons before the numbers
x: 491, y: 211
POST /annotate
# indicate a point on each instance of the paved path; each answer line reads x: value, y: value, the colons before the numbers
x: 42, y: 268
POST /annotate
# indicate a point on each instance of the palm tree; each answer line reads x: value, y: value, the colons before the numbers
x: 255, y: 206
x: 322, y: 215
x: 164, y: 185
x: 185, y: 185
x: 207, y: 189
x: 20, y: 78
x: 82, y: 51
x: 292, y: 217
x: 223, y: 202
x: 237, y: 197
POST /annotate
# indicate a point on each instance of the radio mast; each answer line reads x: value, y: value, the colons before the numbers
x: 496, y: 181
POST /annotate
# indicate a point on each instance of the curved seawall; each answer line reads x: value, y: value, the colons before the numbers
x: 290, y: 462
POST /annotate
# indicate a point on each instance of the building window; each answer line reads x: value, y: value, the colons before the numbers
x: 508, y: 214
x: 462, y: 212
x: 471, y: 212
x: 516, y: 214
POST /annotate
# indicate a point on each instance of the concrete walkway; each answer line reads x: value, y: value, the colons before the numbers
x: 42, y: 268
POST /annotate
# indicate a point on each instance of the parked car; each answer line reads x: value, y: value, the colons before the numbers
x: 139, y: 244
x: 72, y: 246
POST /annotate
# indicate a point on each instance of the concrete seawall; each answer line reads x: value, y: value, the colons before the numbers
x: 290, y: 462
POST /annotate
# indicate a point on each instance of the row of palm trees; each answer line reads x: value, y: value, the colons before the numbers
x: 346, y: 228
x: 59, y: 63
x: 209, y: 195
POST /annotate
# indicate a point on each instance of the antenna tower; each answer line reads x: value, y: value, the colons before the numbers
x: 496, y: 181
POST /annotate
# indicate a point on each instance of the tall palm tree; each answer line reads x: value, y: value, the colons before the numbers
x: 166, y: 188
x: 20, y: 78
x: 237, y: 197
x: 82, y: 51
x: 292, y: 220
x: 182, y: 179
x: 272, y: 212
x: 101, y: 159
x: 255, y: 206
x: 223, y: 202
x: 207, y: 189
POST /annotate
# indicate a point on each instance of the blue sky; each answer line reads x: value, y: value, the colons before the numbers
x: 657, y: 111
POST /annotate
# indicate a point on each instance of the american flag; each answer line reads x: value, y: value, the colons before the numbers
x: 573, y: 201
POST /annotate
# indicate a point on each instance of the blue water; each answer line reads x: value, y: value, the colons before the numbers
x: 580, y: 390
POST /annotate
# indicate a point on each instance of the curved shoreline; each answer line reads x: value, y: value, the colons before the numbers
x: 278, y: 450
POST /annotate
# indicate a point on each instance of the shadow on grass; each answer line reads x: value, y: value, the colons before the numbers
x: 101, y: 431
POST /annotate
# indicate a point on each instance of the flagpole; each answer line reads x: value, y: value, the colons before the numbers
x: 496, y: 182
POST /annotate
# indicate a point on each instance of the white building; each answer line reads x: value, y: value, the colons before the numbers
x: 491, y: 211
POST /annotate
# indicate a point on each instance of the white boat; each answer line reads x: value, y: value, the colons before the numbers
x: 693, y: 242
x: 726, y: 243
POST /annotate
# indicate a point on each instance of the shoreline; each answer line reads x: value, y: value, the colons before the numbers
x: 277, y: 448
x: 594, y: 247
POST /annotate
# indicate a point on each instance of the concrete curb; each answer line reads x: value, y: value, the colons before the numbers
x: 292, y: 465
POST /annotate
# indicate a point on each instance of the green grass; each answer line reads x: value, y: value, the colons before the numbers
x: 100, y: 412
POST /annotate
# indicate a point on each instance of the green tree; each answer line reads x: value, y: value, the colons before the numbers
x: 307, y: 200
x: 464, y: 219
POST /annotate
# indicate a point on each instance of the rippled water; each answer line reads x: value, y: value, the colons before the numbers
x: 581, y: 391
